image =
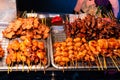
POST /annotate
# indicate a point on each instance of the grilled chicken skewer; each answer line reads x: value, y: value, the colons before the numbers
x: 21, y: 52
x: 78, y: 49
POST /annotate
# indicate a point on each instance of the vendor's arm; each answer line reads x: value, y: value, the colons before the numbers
x: 78, y: 5
x: 115, y: 6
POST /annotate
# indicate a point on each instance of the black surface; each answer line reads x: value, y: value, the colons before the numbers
x: 73, y: 75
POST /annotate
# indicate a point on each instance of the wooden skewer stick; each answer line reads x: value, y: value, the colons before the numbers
x: 115, y: 63
x: 100, y: 62
x: 17, y: 67
x: 28, y: 69
x: 67, y: 18
x: 35, y: 67
x: 105, y: 65
x: 97, y: 65
x: 23, y: 67
x: 67, y: 64
x: 89, y: 64
x: 45, y: 21
x: 76, y: 63
x: 44, y: 69
x: 40, y: 63
x: 82, y: 63
x: 11, y: 67
x: 30, y: 66
x: 8, y: 68
x: 23, y: 15
x: 72, y: 62
x: 42, y: 21
x: 63, y: 68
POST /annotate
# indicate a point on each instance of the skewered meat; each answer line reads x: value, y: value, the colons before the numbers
x: 26, y: 27
x: 27, y: 52
x: 78, y: 49
x: 92, y: 28
x: 1, y: 52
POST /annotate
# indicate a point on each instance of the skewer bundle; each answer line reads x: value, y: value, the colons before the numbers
x: 29, y: 52
x: 92, y: 28
x: 26, y: 27
x: 78, y: 49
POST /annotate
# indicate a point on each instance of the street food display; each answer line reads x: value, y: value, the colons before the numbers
x: 89, y: 42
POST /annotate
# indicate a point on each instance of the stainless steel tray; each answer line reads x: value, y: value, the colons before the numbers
x: 4, y: 43
x: 80, y: 65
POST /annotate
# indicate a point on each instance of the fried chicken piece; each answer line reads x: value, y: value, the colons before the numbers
x: 41, y: 45
x: 36, y: 23
x: 103, y: 43
x: 15, y: 45
x: 1, y: 52
x: 40, y: 54
x: 8, y: 60
x: 44, y: 61
x: 113, y: 43
x: 92, y: 45
x: 17, y: 24
x: 28, y: 23
x: 9, y: 34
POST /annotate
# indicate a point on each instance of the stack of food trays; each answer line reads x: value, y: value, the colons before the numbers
x: 87, y: 44
x: 26, y: 45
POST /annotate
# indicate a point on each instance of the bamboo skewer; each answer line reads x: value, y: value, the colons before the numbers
x: 115, y: 63
x: 40, y: 63
x: 11, y: 67
x: 116, y: 60
x: 67, y: 65
x: 23, y: 67
x: 100, y: 62
x: 17, y: 66
x: 105, y: 65
x: 63, y: 68
x: 97, y: 65
x: 76, y: 64
x: 28, y: 70
x: 8, y: 69
x: 35, y: 67
x: 42, y: 21
x: 44, y: 69
x: 45, y: 21
x: 89, y: 64
x: 67, y: 18
x: 23, y: 15
x: 30, y: 66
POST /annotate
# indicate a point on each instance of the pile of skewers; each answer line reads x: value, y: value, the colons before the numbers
x: 92, y: 28
x: 72, y: 51
x: 29, y: 52
x: 26, y: 27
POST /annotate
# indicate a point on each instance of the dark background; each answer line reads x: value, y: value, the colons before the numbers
x: 47, y: 6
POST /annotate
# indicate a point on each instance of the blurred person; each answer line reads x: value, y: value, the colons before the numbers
x: 103, y: 8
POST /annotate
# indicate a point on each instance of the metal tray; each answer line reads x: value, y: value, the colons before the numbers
x: 4, y: 43
x: 58, y: 37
